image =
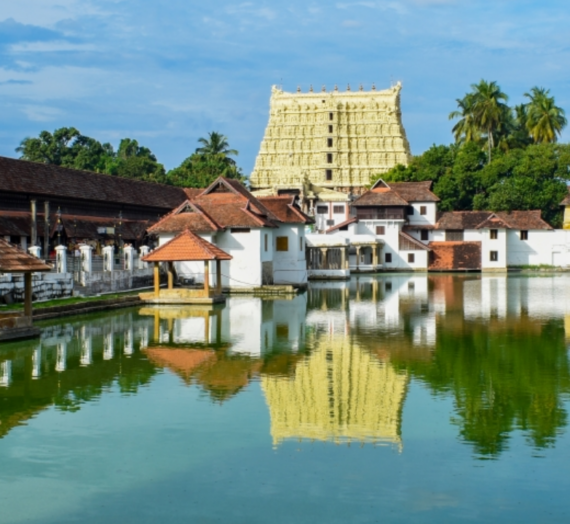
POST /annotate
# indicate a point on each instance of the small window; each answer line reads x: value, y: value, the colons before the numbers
x: 494, y: 234
x: 423, y: 210
x: 329, y: 174
x: 266, y: 241
x: 338, y: 210
x: 330, y: 128
x: 330, y: 116
x: 240, y: 230
x: 322, y: 210
x: 388, y: 286
x: 424, y: 234
x: 380, y: 230
x: 329, y: 158
x: 300, y: 243
x: 388, y: 258
x: 329, y: 142
x: 282, y: 244
x: 411, y: 258
x: 494, y: 256
x: 524, y: 234
x: 410, y: 210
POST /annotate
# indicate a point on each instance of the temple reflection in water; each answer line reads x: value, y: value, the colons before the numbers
x: 334, y: 363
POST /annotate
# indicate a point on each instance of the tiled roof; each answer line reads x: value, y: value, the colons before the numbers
x: 449, y: 256
x: 461, y: 219
x: 414, y: 191
x: 18, y: 223
x: 380, y: 197
x: 566, y: 201
x: 14, y: 260
x: 20, y: 176
x: 284, y: 209
x: 187, y: 215
x: 192, y: 192
x: 486, y: 219
x: 186, y: 247
x: 183, y: 362
x: 351, y: 220
x: 409, y: 243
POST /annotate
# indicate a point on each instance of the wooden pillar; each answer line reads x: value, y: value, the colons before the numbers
x: 170, y: 275
x: 342, y: 258
x: 28, y: 294
x: 218, y: 277
x: 34, y: 232
x: 375, y: 255
x: 156, y: 279
x: 46, y: 229
x: 357, y: 257
x: 207, y: 277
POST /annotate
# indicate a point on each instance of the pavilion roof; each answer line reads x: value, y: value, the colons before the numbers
x: 187, y: 247
x: 15, y: 260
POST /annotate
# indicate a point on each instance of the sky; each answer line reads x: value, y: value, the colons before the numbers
x: 167, y: 73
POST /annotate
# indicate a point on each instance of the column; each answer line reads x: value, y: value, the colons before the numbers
x: 86, y: 258
x: 108, y: 346
x: 108, y: 254
x: 46, y: 228
x: 375, y: 255
x: 129, y: 256
x: 128, y: 347
x: 207, y: 277
x: 342, y: 258
x: 37, y: 363
x: 218, y: 277
x: 5, y: 373
x: 27, y: 294
x: 170, y: 275
x: 357, y: 257
x: 61, y: 356
x: 86, y: 357
x: 324, y: 252
x: 156, y: 279
x: 34, y: 232
x: 144, y: 251
x: 61, y: 259
x: 35, y: 251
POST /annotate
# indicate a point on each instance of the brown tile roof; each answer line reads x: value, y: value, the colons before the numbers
x: 186, y: 247
x: 449, y: 256
x: 351, y: 220
x: 461, y: 219
x: 566, y: 201
x: 380, y: 197
x: 488, y: 219
x: 20, y: 176
x: 14, y: 260
x: 183, y: 362
x: 414, y: 191
x: 193, y: 192
x: 19, y: 223
x: 409, y: 243
x: 283, y: 207
x: 187, y: 215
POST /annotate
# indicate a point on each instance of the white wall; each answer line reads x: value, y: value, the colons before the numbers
x: 428, y: 219
x: 488, y: 245
x: 290, y: 267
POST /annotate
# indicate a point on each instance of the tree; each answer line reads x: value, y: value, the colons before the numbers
x: 545, y: 120
x: 466, y: 130
x: 49, y: 148
x: 216, y: 144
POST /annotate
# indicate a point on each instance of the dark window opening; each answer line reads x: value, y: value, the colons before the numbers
x: 453, y: 235
x: 388, y: 286
x: 388, y: 258
x: 423, y: 210
x: 329, y: 158
x: 494, y: 256
x: 524, y: 234
x: 329, y: 142
x: 330, y: 128
x: 330, y: 116
x: 322, y: 210
x: 410, y: 210
x: 380, y: 230
x: 411, y: 258
x: 338, y: 210
x: 343, y: 228
x: 240, y: 230
x: 424, y: 234
x: 494, y: 234
x: 329, y: 174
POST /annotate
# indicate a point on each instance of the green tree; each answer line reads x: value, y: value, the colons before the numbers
x: 49, y: 148
x: 545, y: 120
x: 466, y: 129
x: 216, y: 144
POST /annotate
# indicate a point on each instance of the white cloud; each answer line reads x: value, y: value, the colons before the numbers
x: 38, y: 113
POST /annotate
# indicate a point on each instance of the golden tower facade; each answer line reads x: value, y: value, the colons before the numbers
x: 336, y: 140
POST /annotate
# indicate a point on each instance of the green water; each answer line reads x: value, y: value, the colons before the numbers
x: 399, y: 398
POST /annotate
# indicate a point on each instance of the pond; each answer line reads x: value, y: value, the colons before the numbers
x: 394, y: 398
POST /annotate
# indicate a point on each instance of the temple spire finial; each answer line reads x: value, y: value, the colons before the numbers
x: 348, y: 87
x: 360, y: 88
x: 324, y: 89
x: 298, y: 89
x: 311, y: 88
x: 373, y: 86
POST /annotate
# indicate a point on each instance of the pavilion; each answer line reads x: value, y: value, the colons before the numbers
x: 13, y: 260
x: 186, y: 247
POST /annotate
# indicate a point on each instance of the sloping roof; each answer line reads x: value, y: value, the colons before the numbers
x: 187, y: 215
x: 566, y: 201
x: 409, y: 243
x: 414, y: 191
x: 20, y: 176
x: 461, y: 219
x: 380, y: 197
x: 283, y: 207
x: 487, y: 219
x: 19, y: 223
x: 351, y: 220
x: 14, y: 260
x: 186, y: 247
x: 449, y: 256
x: 193, y: 192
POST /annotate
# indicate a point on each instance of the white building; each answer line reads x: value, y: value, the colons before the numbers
x: 265, y: 237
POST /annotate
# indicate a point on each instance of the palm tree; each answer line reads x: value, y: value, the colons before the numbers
x: 465, y: 130
x: 545, y: 120
x: 216, y: 144
x: 490, y: 111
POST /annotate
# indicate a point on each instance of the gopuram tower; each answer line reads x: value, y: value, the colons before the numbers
x: 334, y: 141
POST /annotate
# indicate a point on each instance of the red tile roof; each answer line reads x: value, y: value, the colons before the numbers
x: 183, y: 362
x: 461, y: 219
x: 397, y: 194
x: 192, y: 192
x: 284, y: 208
x: 523, y: 219
x: 187, y: 215
x: 449, y: 256
x: 186, y: 247
x: 20, y: 176
x: 14, y: 260
x: 414, y: 191
x: 488, y: 219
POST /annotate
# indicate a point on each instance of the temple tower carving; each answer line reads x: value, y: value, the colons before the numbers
x: 336, y: 140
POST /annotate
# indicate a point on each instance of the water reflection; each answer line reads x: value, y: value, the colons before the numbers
x: 335, y: 363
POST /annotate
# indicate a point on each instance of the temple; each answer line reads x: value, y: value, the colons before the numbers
x: 324, y: 146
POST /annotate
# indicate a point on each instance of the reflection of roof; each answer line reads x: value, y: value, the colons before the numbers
x: 47, y: 179
x: 339, y: 393
x: 183, y: 362
x: 187, y: 246
x: 14, y: 260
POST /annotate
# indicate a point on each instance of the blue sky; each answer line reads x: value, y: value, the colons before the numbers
x: 168, y: 72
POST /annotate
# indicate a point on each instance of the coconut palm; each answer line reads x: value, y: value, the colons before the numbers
x: 490, y: 111
x: 465, y: 129
x: 216, y: 144
x: 545, y: 120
